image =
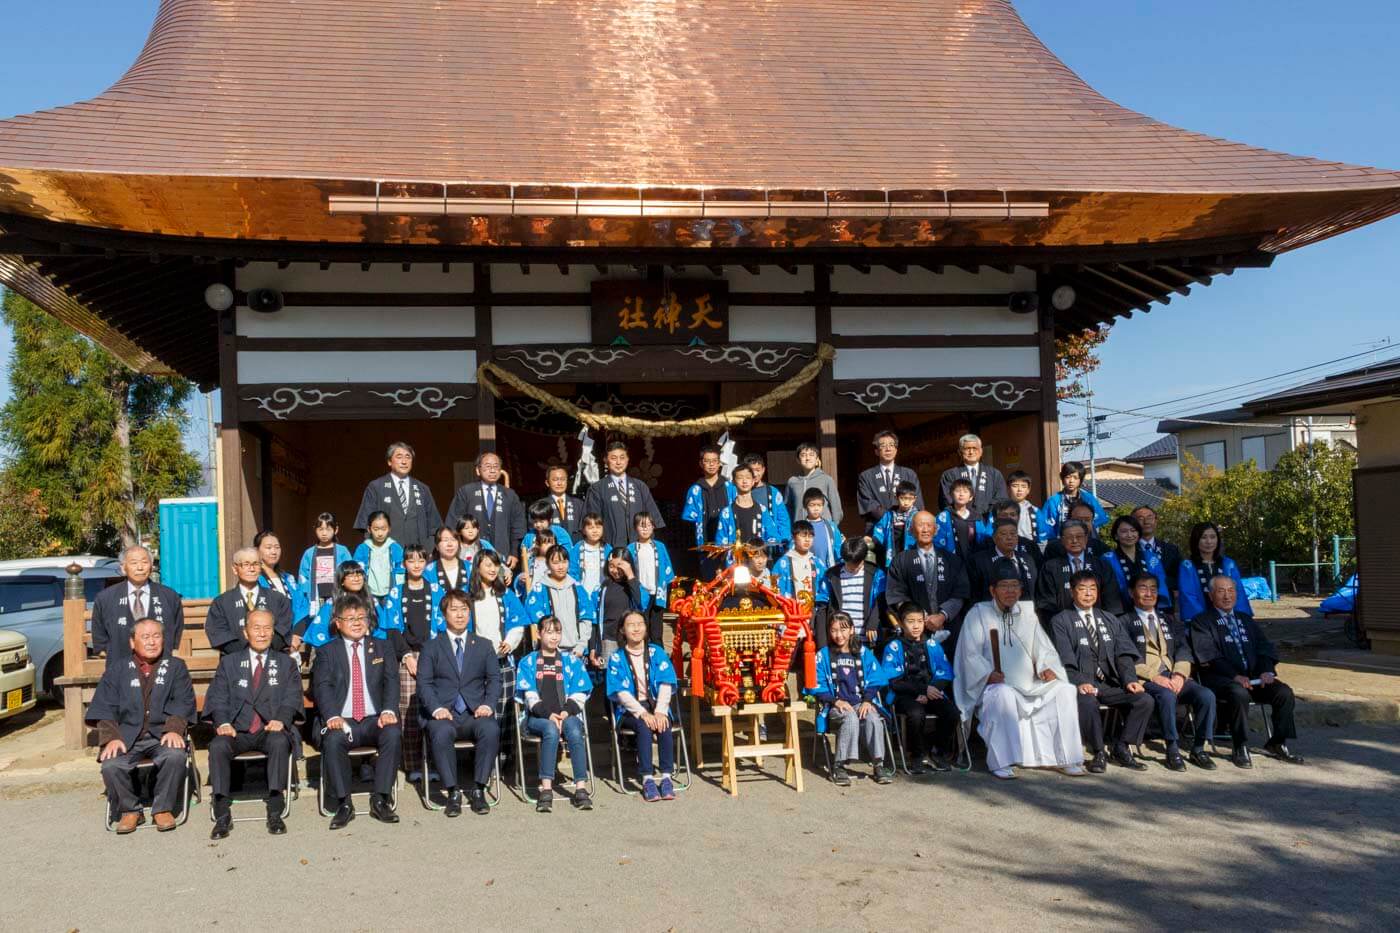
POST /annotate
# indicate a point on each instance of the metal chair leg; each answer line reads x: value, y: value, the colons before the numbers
x: 684, y: 757
x: 963, y: 762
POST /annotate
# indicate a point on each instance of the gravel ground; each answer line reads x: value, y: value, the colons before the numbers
x: 1277, y: 847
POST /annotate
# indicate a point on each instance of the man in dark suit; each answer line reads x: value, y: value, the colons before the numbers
x: 1101, y: 662
x: 228, y: 613
x: 1053, y: 588
x: 1237, y: 662
x: 355, y: 685
x: 459, y: 685
x: 1079, y: 512
x: 856, y: 587
x: 252, y: 702
x: 135, y: 597
x: 933, y: 579
x: 618, y: 498
x: 496, y: 508
x: 142, y: 709
x: 1169, y: 554
x: 988, y: 485
x: 568, y: 510
x: 875, y: 487
x: 1006, y: 544
x: 413, y: 515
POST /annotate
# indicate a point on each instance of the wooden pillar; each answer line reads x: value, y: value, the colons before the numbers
x: 74, y: 654
x: 231, y: 479
x: 826, y: 391
x: 1049, y: 401
x: 485, y: 401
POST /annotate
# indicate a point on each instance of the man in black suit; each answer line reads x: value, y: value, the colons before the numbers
x: 252, y: 702
x: 931, y: 578
x: 413, y: 515
x: 1237, y: 662
x: 1101, y: 662
x: 568, y: 510
x: 143, y: 709
x: 459, y: 685
x: 496, y: 508
x: 1006, y: 544
x: 1079, y: 512
x: 135, y: 597
x: 1054, y: 585
x: 988, y: 485
x: 1169, y: 554
x: 228, y: 613
x: 875, y: 487
x: 355, y: 685
x: 618, y: 498
x: 854, y: 586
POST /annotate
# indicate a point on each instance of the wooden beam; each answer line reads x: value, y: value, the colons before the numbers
x: 789, y: 269
x: 563, y: 268
x: 601, y: 267
x: 524, y: 268
x: 752, y: 269
x: 935, y: 268
x: 231, y: 479
x: 1154, y: 282
x: 1049, y: 433
x: 826, y: 390
x: 862, y: 268
x: 1148, y: 297
x: 897, y: 268
x: 1182, y: 274
x: 485, y: 401
x: 717, y: 271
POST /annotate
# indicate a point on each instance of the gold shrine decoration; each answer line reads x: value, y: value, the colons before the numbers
x: 490, y: 376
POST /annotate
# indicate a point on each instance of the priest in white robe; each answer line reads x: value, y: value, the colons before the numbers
x: 1027, y: 711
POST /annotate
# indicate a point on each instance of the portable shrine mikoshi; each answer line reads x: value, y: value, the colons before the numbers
x: 742, y: 635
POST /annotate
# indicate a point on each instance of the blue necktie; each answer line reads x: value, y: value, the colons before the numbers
x: 459, y: 705
x: 490, y: 500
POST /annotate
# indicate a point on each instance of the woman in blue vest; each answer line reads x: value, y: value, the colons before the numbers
x: 1207, y: 559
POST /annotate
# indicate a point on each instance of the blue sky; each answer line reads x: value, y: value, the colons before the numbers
x: 1302, y: 77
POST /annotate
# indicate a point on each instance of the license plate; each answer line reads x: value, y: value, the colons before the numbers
x: 13, y: 698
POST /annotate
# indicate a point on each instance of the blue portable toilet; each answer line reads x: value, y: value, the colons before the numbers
x: 189, y: 546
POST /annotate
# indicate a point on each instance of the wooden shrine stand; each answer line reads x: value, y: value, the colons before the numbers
x: 789, y: 748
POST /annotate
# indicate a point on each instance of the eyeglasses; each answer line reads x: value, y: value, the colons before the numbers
x: 247, y: 563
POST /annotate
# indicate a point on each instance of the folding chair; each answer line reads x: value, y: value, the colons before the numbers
x: 962, y: 760
x: 293, y: 788
x: 493, y: 788
x: 1266, y: 713
x: 145, y: 780
x: 823, y: 737
x: 617, y: 730
x: 524, y: 737
x: 357, y: 756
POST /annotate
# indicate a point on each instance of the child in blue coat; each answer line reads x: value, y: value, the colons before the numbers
x: 894, y: 532
x: 652, y: 562
x: 381, y: 556
x: 1057, y: 507
x: 641, y: 682
x: 552, y: 689
x: 921, y: 685
x: 317, y: 570
x: 849, y: 680
x: 559, y: 595
x: 800, y: 570
x: 349, y: 578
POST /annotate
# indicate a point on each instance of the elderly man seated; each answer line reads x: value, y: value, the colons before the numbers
x: 142, y: 709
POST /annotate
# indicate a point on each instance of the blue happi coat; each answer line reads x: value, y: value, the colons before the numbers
x: 694, y: 509
x: 576, y: 679
x: 778, y: 506
x: 945, y: 536
x: 872, y: 675
x: 1152, y: 564
x: 319, y: 632
x: 773, y: 535
x: 576, y: 563
x: 300, y: 607
x: 540, y: 604
x: 391, y: 615
x: 665, y: 574
x: 782, y: 572
x: 514, y: 615
x: 893, y: 663
x: 1195, y: 601
x: 306, y: 571
x: 561, y: 536
x: 620, y: 679
x: 396, y: 574
x: 1056, y: 513
x: 884, y: 531
x: 836, y: 538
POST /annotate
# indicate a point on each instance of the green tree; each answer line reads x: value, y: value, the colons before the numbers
x: 1308, y: 481
x: 1236, y: 499
x: 95, y: 442
x: 22, y: 514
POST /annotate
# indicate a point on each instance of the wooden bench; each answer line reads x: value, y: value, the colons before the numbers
x: 81, y: 671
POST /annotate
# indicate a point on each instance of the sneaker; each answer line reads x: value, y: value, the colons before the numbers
x: 668, y: 790
x: 840, y: 776
x: 649, y: 792
x: 883, y: 775
x: 545, y: 802
x: 934, y: 763
x: 1005, y: 774
x: 581, y: 800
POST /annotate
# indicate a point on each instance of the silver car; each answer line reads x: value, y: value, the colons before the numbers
x: 31, y: 603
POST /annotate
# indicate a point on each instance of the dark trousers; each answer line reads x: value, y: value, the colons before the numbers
x: 1198, y: 698
x: 945, y: 713
x: 119, y: 775
x: 665, y: 744
x: 277, y: 746
x: 442, y: 733
x: 1234, y: 707
x: 1134, y: 710
x: 335, y: 756
x: 654, y: 623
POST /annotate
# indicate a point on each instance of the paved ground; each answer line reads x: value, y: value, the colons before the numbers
x: 1299, y: 848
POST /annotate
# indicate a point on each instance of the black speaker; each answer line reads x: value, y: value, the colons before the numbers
x: 265, y: 300
x: 1024, y: 302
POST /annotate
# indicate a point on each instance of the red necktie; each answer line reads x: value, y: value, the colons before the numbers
x: 257, y: 725
x: 357, y: 685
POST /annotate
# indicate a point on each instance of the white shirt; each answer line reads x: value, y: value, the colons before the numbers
x: 590, y: 559
x: 646, y: 566
x: 486, y: 616
x: 1024, y: 527
x: 348, y: 709
x: 401, y: 485
x: 145, y: 589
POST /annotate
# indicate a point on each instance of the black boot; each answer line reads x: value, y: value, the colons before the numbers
x: 223, y: 819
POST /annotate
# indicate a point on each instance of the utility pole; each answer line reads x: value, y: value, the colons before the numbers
x: 1093, y: 435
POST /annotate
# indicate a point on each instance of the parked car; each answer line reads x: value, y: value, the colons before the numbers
x: 31, y: 603
x: 16, y: 675
x: 86, y: 561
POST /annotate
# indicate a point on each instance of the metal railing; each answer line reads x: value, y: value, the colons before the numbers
x: 1316, y: 565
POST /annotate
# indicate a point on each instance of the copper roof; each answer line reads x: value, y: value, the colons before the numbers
x: 241, y: 118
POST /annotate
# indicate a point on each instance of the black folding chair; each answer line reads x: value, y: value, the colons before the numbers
x: 357, y: 756
x: 820, y: 736
x: 292, y: 793
x: 145, y: 786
